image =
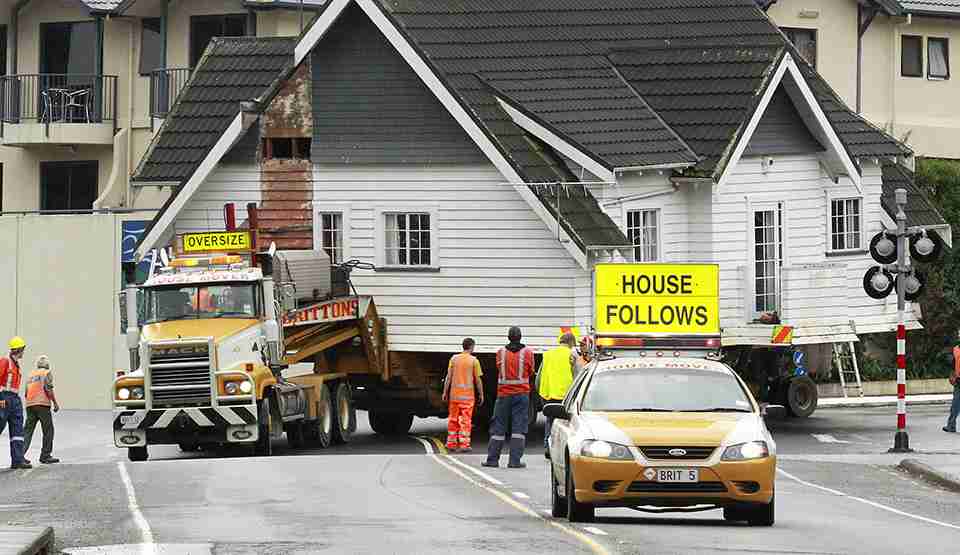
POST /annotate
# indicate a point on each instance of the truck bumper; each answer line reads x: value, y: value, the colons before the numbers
x: 138, y: 428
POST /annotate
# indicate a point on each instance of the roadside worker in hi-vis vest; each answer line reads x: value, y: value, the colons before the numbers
x: 556, y: 375
x: 464, y: 377
x: 40, y: 396
x: 11, y: 409
x: 514, y: 368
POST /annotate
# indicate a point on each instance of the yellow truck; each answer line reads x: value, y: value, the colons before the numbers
x: 217, y: 342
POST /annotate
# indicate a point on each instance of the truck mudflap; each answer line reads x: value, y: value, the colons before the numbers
x: 137, y: 428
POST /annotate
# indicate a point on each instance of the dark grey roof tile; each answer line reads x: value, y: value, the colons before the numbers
x: 919, y: 210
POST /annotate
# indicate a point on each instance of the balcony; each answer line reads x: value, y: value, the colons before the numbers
x: 61, y: 108
x: 165, y: 86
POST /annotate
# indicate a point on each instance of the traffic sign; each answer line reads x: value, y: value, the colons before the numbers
x: 216, y: 241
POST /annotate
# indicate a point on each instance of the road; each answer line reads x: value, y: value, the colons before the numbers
x: 838, y: 492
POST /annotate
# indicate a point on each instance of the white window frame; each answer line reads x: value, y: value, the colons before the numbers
x: 626, y: 228
x: 380, y: 214
x: 755, y: 203
x: 327, y: 207
x: 837, y: 196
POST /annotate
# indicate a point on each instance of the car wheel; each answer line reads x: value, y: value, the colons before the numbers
x: 734, y: 514
x: 763, y: 515
x: 801, y: 397
x: 576, y: 511
x: 137, y: 454
x: 559, y: 508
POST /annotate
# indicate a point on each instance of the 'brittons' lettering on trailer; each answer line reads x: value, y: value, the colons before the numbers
x: 329, y: 311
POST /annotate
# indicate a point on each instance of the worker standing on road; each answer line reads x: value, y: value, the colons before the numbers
x: 514, y: 368
x: 11, y: 409
x: 584, y: 355
x: 556, y: 375
x: 464, y: 378
x: 955, y: 380
x: 40, y: 396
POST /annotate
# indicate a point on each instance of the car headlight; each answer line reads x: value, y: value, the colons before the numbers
x: 246, y: 387
x: 123, y: 394
x: 137, y: 393
x: 232, y: 388
x: 746, y: 451
x: 598, y: 449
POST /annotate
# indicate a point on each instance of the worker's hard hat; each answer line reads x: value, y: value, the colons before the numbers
x: 17, y: 343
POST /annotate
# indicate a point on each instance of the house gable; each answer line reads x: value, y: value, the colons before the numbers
x: 782, y: 130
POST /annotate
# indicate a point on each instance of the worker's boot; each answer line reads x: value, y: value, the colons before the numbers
x: 493, y: 452
x: 517, y: 445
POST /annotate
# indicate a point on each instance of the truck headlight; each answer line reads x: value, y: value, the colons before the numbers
x: 232, y: 388
x: 746, y: 451
x: 598, y: 449
x: 246, y: 387
x: 123, y: 394
x: 137, y: 393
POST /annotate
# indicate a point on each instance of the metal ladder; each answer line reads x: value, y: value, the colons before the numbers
x: 844, y: 356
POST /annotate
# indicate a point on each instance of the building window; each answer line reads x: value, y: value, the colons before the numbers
x: 911, y: 56
x: 331, y: 235
x: 767, y: 257
x: 151, y: 46
x: 69, y: 48
x: 68, y: 185
x: 407, y: 239
x: 805, y: 40
x: 3, y: 49
x: 643, y: 231
x: 845, y: 224
x: 938, y: 58
x: 203, y: 28
x: 285, y: 148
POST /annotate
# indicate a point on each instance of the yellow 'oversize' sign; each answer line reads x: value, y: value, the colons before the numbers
x: 678, y: 299
x: 217, y: 241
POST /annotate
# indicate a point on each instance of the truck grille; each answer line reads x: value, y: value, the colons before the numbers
x: 180, y: 374
x: 688, y: 453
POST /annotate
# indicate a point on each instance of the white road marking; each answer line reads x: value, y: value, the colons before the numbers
x: 827, y: 438
x: 868, y: 502
x: 594, y: 530
x: 427, y: 446
x: 520, y: 495
x: 138, y: 517
x: 476, y: 471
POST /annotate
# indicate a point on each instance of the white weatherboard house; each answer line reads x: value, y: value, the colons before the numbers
x: 484, y: 160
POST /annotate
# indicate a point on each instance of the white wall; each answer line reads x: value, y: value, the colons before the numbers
x: 236, y: 183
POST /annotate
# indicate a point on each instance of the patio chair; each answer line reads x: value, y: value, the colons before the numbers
x: 77, y: 101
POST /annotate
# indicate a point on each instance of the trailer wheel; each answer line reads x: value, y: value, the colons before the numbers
x: 323, y: 428
x: 295, y: 434
x: 801, y: 397
x: 346, y: 414
x: 263, y: 447
x: 390, y: 423
x: 137, y: 454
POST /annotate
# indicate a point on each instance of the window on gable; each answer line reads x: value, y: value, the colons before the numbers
x: 151, y: 44
x: 331, y: 235
x: 845, y: 224
x: 805, y: 40
x: 938, y: 58
x: 911, y: 56
x: 643, y: 231
x: 286, y: 148
x: 407, y: 239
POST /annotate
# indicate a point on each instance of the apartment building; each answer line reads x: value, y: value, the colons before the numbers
x: 890, y: 59
x: 86, y: 85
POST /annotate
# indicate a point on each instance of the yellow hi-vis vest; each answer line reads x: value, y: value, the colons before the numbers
x: 556, y: 374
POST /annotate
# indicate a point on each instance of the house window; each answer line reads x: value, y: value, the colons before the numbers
x: 69, y: 48
x: 203, y: 28
x: 938, y: 58
x: 845, y: 224
x: 767, y: 256
x: 805, y: 40
x: 3, y: 49
x: 642, y: 229
x: 68, y: 185
x: 407, y: 239
x: 285, y: 148
x: 911, y: 56
x: 151, y: 46
x: 331, y: 235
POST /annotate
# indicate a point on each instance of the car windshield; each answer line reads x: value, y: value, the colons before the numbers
x: 229, y: 300
x: 666, y: 390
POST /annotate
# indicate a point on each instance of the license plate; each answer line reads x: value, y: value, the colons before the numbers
x: 129, y: 419
x: 675, y: 475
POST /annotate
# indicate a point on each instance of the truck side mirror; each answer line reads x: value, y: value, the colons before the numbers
x: 288, y: 297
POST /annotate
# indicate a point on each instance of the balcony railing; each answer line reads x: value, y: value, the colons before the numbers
x: 165, y: 85
x: 58, y: 98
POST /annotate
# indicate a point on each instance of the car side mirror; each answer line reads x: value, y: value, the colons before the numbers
x: 774, y: 412
x: 555, y: 410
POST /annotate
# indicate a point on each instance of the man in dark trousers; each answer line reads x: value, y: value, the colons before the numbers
x: 11, y: 407
x: 40, y: 397
x: 514, y: 367
x: 955, y: 380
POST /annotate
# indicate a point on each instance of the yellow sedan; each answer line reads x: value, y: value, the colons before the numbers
x: 661, y: 435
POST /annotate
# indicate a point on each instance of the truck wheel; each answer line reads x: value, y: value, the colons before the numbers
x: 189, y: 447
x: 137, y: 454
x: 295, y: 434
x: 801, y: 397
x: 263, y: 447
x: 323, y: 428
x: 346, y: 414
x: 390, y: 423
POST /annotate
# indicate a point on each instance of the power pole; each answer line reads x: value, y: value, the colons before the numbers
x: 901, y: 441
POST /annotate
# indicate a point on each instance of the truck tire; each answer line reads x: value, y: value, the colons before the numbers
x: 295, y: 434
x: 346, y: 413
x: 263, y: 447
x: 801, y: 397
x: 390, y: 423
x: 189, y: 446
x: 323, y: 428
x: 137, y: 454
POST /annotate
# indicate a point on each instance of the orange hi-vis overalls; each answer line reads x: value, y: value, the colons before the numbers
x: 462, y: 372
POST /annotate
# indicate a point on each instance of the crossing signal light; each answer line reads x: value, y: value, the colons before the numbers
x: 878, y: 282
x: 926, y: 246
x: 913, y: 285
x: 883, y: 248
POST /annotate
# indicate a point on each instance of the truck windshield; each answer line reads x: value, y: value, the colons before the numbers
x: 665, y: 390
x: 229, y: 300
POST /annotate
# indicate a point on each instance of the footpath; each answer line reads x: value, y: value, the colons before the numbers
x: 25, y: 540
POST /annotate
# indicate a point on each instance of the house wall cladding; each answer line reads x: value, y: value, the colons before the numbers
x: 782, y: 130
x: 371, y: 108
